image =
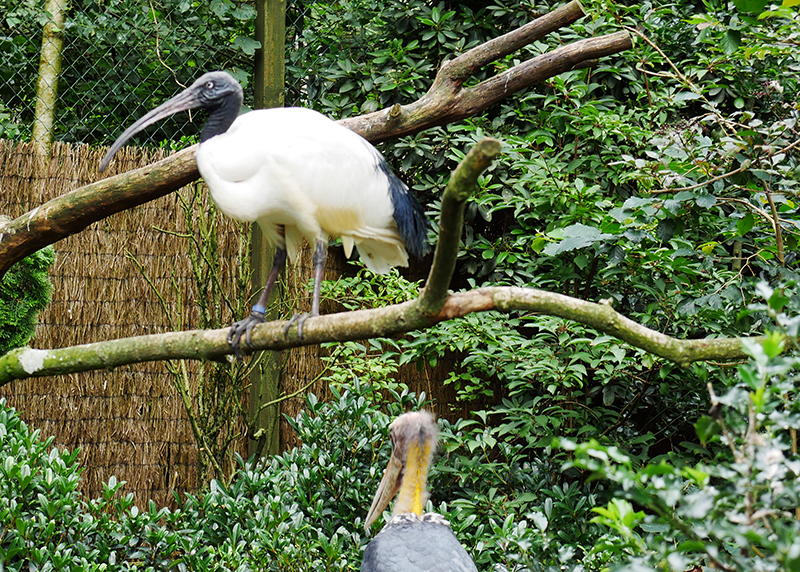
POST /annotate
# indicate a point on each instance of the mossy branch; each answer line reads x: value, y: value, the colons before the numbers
x: 463, y: 182
x: 24, y: 363
x: 435, y: 304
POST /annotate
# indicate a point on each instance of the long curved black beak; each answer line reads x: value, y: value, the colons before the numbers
x: 187, y: 99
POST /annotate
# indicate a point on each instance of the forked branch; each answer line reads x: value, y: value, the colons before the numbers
x: 435, y: 304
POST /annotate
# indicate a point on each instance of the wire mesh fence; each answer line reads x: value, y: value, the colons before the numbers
x: 120, y: 59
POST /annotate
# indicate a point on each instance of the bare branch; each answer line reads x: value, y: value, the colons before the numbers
x: 447, y: 101
x: 463, y: 182
x: 74, y: 211
x: 465, y: 65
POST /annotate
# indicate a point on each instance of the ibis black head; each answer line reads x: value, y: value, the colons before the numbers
x: 216, y: 91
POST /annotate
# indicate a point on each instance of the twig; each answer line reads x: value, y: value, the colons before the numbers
x: 776, y: 224
x: 703, y: 184
x: 158, y: 49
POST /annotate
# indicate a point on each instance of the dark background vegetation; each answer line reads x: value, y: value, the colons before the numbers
x: 663, y: 179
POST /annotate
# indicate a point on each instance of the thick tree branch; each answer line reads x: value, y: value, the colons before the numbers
x: 74, y: 211
x: 445, y: 102
x: 24, y: 363
x: 448, y: 101
x: 464, y: 66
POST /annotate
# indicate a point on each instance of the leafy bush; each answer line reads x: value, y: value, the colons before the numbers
x: 738, y: 507
x: 300, y: 510
x: 40, y: 506
x: 515, y: 502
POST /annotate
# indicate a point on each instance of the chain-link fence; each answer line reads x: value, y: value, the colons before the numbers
x: 120, y: 59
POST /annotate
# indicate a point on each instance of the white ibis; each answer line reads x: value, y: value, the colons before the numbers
x: 412, y: 541
x: 299, y: 175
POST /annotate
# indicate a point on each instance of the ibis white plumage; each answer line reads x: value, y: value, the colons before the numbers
x: 300, y: 175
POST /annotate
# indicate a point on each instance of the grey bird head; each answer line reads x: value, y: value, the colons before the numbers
x: 414, y: 439
x: 216, y: 91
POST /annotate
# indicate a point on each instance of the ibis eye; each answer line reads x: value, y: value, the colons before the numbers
x: 210, y: 85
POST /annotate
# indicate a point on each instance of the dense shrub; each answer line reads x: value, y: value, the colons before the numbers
x: 24, y: 291
x: 515, y: 501
x: 736, y: 504
x: 300, y: 510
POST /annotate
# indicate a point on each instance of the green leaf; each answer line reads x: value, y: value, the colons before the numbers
x: 666, y: 229
x: 745, y: 224
x: 750, y: 6
x: 686, y: 96
x: 706, y: 201
x: 577, y: 236
x: 730, y: 41
x: 247, y: 45
x: 773, y: 344
x: 706, y: 428
x: 609, y: 395
x: 636, y: 202
x: 244, y: 12
x: 616, y: 255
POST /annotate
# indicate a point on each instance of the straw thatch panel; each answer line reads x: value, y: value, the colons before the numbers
x: 131, y: 422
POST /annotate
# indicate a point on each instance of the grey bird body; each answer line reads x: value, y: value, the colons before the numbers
x: 410, y: 544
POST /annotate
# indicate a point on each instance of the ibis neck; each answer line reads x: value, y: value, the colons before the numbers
x: 221, y: 117
x: 414, y: 492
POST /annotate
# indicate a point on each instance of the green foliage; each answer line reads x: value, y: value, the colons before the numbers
x: 25, y: 290
x: 496, y: 479
x: 40, y: 507
x: 736, y: 509
x: 119, y: 60
x: 297, y: 511
x: 649, y: 180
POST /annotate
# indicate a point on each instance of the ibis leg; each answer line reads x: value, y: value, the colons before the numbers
x: 320, y: 254
x: 256, y: 316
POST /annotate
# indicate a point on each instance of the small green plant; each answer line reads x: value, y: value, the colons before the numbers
x: 24, y: 292
x: 41, y: 520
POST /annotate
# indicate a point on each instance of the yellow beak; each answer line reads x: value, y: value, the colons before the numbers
x: 390, y: 484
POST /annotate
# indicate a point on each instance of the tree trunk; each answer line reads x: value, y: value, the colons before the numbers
x: 49, y: 70
x: 265, y: 378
